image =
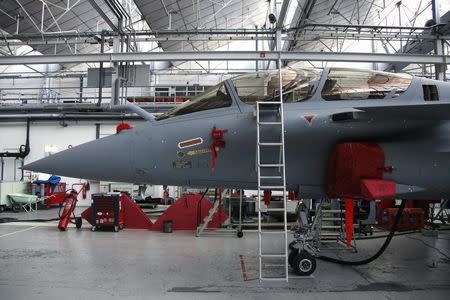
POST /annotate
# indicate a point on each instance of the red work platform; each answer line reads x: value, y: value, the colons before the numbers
x: 184, y: 214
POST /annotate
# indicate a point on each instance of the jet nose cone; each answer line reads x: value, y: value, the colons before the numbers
x: 109, y: 158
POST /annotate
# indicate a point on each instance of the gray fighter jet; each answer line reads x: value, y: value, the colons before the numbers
x: 347, y: 134
x: 398, y: 123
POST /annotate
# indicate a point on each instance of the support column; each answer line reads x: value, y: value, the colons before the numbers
x: 115, y: 83
x: 439, y: 69
x: 100, y: 72
x: 2, y: 168
x: 81, y: 89
x: 374, y: 50
x: 256, y: 49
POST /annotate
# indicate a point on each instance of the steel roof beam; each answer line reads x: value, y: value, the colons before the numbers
x: 103, y: 15
x: 223, y: 56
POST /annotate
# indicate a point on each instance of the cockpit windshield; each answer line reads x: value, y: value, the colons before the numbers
x: 214, y: 97
x: 297, y: 85
x: 351, y: 84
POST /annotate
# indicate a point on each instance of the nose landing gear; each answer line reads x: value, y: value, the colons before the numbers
x: 303, y: 250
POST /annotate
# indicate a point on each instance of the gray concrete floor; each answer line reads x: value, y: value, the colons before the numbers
x: 39, y: 262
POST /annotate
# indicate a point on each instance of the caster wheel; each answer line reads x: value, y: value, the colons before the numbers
x: 240, y: 234
x: 2, y: 208
x: 15, y: 207
x: 304, y: 264
x: 116, y: 228
x: 94, y: 228
x: 121, y: 227
x: 78, y: 222
x: 292, y: 254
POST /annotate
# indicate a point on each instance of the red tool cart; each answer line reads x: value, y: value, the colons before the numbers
x: 412, y: 219
x: 107, y: 212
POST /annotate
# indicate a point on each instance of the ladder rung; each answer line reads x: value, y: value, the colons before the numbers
x: 272, y: 232
x: 272, y: 224
x: 274, y: 278
x: 331, y: 219
x: 328, y: 234
x: 271, y: 187
x: 270, y: 165
x: 273, y: 209
x: 270, y: 177
x: 270, y: 123
x: 269, y: 102
x: 270, y: 144
x: 273, y: 255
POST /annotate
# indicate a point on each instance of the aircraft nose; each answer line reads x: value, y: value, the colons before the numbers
x: 108, y: 159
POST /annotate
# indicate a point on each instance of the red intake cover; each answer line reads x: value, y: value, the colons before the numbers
x: 349, y: 164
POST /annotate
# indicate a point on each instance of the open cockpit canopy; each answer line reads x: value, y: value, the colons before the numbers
x: 354, y: 84
x: 298, y: 85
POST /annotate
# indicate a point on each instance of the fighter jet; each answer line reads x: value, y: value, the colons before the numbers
x: 331, y: 133
x: 346, y: 132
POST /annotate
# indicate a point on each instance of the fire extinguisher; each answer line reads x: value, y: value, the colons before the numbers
x: 69, y: 206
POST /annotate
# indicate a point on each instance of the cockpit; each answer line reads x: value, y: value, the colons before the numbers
x: 298, y: 85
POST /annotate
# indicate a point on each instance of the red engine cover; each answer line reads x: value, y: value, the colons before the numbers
x: 349, y: 164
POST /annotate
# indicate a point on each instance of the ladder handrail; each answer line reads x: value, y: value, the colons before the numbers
x: 281, y: 165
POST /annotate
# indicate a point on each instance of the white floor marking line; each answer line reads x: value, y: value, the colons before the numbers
x: 22, y: 230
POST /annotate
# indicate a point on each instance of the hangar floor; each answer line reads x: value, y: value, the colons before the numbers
x: 39, y: 262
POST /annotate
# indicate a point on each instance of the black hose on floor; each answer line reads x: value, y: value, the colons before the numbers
x: 14, y: 220
x: 379, y: 252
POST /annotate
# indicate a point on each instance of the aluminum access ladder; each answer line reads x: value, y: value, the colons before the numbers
x: 271, y: 176
x: 204, y: 225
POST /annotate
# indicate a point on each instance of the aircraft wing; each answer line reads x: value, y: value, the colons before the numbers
x: 425, y: 111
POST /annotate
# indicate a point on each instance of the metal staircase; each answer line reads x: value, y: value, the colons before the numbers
x: 271, y: 176
x: 201, y: 228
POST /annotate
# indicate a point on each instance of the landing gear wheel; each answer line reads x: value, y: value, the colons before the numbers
x: 15, y: 207
x: 304, y: 264
x: 291, y: 245
x: 240, y: 234
x: 78, y: 222
x: 292, y: 254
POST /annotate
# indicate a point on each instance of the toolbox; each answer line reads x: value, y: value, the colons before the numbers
x: 107, y: 211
